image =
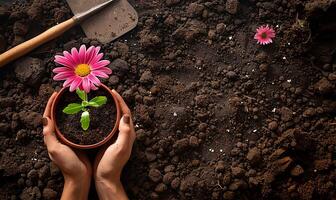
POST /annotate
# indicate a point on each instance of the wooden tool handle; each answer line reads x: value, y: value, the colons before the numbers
x: 33, y: 43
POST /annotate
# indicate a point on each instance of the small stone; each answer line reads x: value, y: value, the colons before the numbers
x: 237, y: 184
x: 331, y: 76
x: 309, y: 112
x: 161, y: 187
x: 175, y: 183
x: 231, y: 6
x: 201, y: 100
x: 273, y: 125
x: 181, y: 144
x: 168, y: 177
x: 220, y: 28
x: 49, y: 194
x: 172, y: 2
x: 286, y: 114
x: 297, y: 171
x: 263, y: 67
x: 33, y: 175
x: 262, y: 56
x: 7, y: 102
x: 150, y: 156
x: 146, y: 77
x: 195, y: 9
x: 211, y: 34
x: 31, y: 119
x: 323, y: 164
x: 231, y: 75
x: 45, y: 91
x: 169, y: 168
x: 324, y: 86
x: 190, y: 30
x: 20, y: 28
x: 114, y: 80
x: 4, y: 127
x: 193, y: 141
x: 155, y: 175
x: 119, y: 67
x: 220, y: 166
x: 228, y: 195
x: 29, y: 70
x: 282, y: 164
x: 254, y: 155
x: 21, y: 135
x: 31, y: 193
x: 237, y: 171
x: 277, y: 153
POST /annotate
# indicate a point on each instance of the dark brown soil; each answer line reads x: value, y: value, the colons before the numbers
x: 217, y: 116
x: 102, y: 119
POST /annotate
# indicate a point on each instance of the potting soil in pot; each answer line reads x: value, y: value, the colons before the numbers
x: 102, y: 119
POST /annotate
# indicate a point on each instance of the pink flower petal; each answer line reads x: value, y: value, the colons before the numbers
x: 100, y: 64
x: 69, y: 57
x: 86, y: 85
x: 106, y: 70
x: 75, y: 83
x: 62, y: 69
x: 75, y: 55
x: 96, y: 59
x: 68, y: 82
x: 89, y: 54
x: 99, y: 74
x: 93, y: 87
x: 63, y: 61
x: 63, y: 76
x: 97, y: 50
x: 81, y: 54
x: 94, y: 80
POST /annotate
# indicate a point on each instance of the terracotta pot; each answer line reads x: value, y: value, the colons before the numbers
x: 64, y: 140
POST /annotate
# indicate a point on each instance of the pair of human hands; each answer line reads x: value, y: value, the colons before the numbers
x: 77, y: 168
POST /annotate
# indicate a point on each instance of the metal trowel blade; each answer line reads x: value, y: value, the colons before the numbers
x: 110, y: 23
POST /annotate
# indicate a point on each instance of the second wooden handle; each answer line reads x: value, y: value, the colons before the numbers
x: 33, y: 43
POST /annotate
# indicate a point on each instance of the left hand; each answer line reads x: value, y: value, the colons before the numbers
x: 75, y: 165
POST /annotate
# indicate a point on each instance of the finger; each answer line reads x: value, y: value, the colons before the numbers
x: 123, y: 105
x: 126, y: 135
x: 47, y: 111
x: 49, y: 136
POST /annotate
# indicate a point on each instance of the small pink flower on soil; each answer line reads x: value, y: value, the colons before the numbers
x: 264, y: 35
x: 81, y: 68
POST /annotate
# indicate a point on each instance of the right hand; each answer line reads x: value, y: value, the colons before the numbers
x: 111, y: 159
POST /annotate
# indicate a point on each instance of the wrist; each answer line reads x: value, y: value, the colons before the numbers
x: 76, y: 187
x: 110, y: 189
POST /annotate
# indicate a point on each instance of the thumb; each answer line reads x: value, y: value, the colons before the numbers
x: 125, y: 136
x: 49, y: 132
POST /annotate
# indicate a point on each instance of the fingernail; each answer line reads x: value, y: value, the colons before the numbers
x: 126, y: 119
x: 44, y: 121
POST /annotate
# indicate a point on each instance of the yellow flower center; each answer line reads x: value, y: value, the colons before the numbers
x: 82, y: 70
x: 264, y: 35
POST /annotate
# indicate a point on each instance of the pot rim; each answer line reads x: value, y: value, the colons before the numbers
x: 84, y: 146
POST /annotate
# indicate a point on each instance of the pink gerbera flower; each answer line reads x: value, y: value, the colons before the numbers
x: 81, y: 68
x: 264, y: 35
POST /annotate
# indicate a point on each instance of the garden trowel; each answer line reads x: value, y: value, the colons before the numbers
x: 108, y: 24
x: 104, y: 20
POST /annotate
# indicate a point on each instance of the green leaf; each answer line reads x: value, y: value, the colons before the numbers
x: 93, y: 104
x: 72, y: 108
x: 98, y: 101
x: 85, y: 120
x: 81, y: 94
